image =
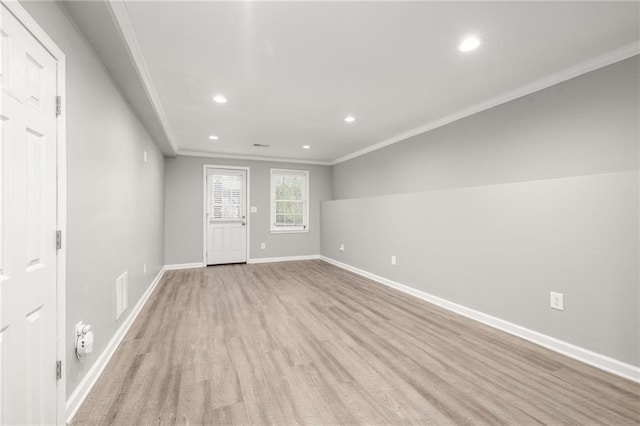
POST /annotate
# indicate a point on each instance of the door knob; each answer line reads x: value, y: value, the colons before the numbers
x: 244, y: 223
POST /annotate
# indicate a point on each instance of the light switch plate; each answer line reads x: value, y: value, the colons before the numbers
x: 254, y: 209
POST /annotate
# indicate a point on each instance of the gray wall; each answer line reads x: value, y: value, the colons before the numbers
x: 496, y: 210
x: 586, y: 125
x: 183, y: 209
x: 115, y: 209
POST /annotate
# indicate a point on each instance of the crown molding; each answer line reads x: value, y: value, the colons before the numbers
x: 118, y: 11
x: 188, y: 153
x: 593, y: 64
x: 120, y: 17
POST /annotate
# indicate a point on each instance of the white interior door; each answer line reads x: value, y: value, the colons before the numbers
x: 27, y: 228
x: 226, y: 216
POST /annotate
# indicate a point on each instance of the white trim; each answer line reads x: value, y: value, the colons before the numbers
x: 204, y: 207
x: 62, y: 227
x: 284, y: 259
x: 61, y: 195
x: 118, y: 11
x: 290, y: 231
x: 594, y: 359
x: 34, y: 28
x: 120, y: 16
x: 84, y: 387
x: 614, y: 56
x: 176, y: 266
x: 188, y: 153
x: 123, y: 23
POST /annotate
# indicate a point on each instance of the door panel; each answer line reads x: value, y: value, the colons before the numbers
x: 217, y: 235
x: 226, y: 216
x: 35, y: 354
x: 27, y: 228
x: 3, y: 138
x: 35, y: 185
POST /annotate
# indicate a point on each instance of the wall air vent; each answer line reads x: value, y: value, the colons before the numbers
x: 260, y: 145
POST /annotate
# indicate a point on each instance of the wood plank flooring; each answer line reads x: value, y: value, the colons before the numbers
x: 308, y: 343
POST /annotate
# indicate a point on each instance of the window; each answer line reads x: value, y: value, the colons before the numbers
x: 225, y: 199
x: 289, y: 200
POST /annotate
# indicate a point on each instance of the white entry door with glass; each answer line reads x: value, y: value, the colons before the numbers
x: 226, y: 216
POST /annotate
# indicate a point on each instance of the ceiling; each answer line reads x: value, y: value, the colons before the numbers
x: 292, y: 71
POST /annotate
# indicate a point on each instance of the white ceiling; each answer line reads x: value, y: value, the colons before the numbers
x: 293, y: 71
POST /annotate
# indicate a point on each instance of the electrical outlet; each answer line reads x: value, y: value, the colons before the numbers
x: 263, y: 246
x: 557, y: 301
x: 393, y: 260
x: 79, y: 327
x: 254, y: 209
x: 341, y: 248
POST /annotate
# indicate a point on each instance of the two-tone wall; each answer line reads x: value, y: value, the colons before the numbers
x: 491, y: 212
x: 495, y: 211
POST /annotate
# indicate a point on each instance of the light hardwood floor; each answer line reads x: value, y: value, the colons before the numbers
x: 308, y: 343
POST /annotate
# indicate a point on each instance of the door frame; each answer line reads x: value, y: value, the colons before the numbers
x: 205, y: 167
x: 41, y: 36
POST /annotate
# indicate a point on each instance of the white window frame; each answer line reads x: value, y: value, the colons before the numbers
x: 272, y: 203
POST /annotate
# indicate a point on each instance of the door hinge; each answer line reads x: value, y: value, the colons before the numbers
x: 58, y: 240
x: 58, y: 370
x: 58, y: 105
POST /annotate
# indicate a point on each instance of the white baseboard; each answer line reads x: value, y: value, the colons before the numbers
x: 184, y: 266
x: 259, y: 260
x: 80, y: 393
x: 594, y: 359
x: 284, y: 259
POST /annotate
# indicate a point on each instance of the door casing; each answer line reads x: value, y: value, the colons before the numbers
x: 41, y: 36
x: 205, y: 167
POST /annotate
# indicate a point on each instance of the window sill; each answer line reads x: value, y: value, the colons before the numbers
x: 289, y: 231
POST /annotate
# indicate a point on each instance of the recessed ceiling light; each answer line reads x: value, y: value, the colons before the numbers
x: 306, y: 146
x: 349, y: 119
x: 469, y: 43
x: 214, y: 137
x: 220, y: 99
